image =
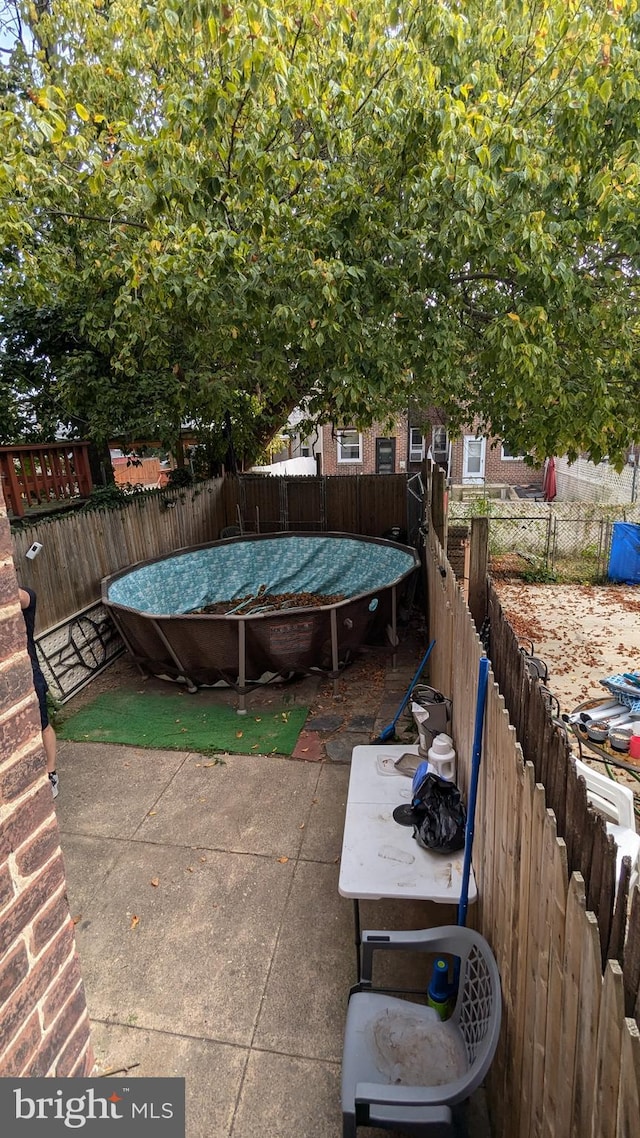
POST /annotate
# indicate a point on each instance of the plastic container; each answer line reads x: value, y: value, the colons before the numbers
x: 634, y: 745
x: 439, y: 990
x: 442, y: 757
x: 619, y: 739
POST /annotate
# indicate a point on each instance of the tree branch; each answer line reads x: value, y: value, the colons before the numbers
x: 234, y: 124
x: 95, y: 217
x: 297, y: 37
x: 464, y: 278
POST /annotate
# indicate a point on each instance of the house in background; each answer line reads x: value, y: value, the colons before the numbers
x: 470, y: 460
x: 130, y: 469
x: 377, y: 450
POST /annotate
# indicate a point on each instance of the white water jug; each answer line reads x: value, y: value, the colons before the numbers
x: 442, y: 757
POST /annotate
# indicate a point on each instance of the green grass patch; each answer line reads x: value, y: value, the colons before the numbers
x: 183, y: 723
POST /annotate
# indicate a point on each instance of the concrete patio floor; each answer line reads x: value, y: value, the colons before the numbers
x: 213, y: 942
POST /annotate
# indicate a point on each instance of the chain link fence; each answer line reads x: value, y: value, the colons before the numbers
x: 565, y: 542
x: 539, y: 549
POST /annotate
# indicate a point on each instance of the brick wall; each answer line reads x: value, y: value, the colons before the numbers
x: 497, y: 471
x: 44, y: 1027
x: 399, y: 432
x: 509, y: 472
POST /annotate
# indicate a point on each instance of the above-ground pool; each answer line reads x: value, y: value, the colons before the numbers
x: 283, y: 604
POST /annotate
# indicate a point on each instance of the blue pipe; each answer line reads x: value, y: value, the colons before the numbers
x: 476, y: 755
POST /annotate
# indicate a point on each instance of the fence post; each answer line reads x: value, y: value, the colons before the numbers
x: 12, y: 485
x: 549, y: 553
x: 478, y: 569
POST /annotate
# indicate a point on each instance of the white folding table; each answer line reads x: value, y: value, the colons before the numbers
x: 380, y: 858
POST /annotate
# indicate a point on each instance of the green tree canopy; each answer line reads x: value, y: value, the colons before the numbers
x: 338, y: 207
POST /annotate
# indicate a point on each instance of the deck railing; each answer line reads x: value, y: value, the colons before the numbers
x: 39, y: 475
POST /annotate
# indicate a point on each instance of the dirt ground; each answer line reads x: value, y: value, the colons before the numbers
x: 584, y: 633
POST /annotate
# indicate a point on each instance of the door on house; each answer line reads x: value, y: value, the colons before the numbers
x: 385, y: 456
x: 473, y: 460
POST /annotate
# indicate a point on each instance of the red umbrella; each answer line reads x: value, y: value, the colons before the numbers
x: 549, y: 487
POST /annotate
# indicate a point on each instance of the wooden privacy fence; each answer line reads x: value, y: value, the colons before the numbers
x: 568, y: 1062
x: 81, y: 548
x: 367, y: 504
x: 589, y: 848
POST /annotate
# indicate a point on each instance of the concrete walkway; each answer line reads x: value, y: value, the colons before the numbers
x: 213, y: 941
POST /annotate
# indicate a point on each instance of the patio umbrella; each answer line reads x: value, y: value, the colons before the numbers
x: 549, y: 488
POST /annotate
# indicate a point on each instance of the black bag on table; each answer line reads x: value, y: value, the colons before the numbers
x: 439, y: 815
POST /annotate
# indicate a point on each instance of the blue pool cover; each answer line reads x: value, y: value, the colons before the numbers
x: 288, y: 564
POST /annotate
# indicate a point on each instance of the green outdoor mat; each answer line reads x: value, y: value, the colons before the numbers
x: 182, y: 723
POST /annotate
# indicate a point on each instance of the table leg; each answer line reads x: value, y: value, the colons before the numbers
x: 356, y: 923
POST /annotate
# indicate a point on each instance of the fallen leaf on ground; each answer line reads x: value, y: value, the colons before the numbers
x: 209, y: 764
x: 189, y: 869
x: 282, y: 860
x: 76, y: 919
x: 134, y: 921
x: 155, y: 881
x: 239, y: 734
x: 151, y: 813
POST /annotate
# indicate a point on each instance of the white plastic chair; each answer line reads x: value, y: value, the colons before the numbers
x: 379, y: 1073
x: 615, y: 802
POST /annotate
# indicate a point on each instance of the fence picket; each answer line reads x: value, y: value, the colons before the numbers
x: 556, y: 856
x: 587, y: 1031
x: 608, y: 1046
x: 574, y: 928
x: 629, y: 1087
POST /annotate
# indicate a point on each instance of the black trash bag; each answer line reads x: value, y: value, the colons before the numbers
x: 439, y: 815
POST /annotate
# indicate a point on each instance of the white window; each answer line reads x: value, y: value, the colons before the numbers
x: 439, y: 442
x: 416, y: 445
x: 508, y: 455
x: 349, y: 446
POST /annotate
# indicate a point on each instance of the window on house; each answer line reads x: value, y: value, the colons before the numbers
x: 507, y: 454
x: 349, y: 446
x: 439, y: 443
x: 416, y: 445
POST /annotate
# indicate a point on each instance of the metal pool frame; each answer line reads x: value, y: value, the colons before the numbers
x: 163, y: 645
